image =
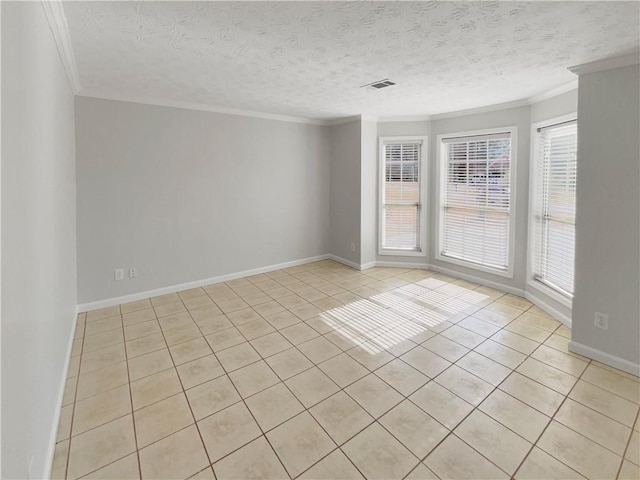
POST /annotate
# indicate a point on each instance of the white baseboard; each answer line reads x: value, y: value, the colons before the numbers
x: 56, y: 419
x: 365, y: 266
x: 606, y: 358
x: 555, y: 313
x: 109, y: 302
x: 419, y: 266
x: 472, y: 278
x: 346, y: 262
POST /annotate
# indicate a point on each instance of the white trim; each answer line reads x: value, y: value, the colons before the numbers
x: 533, y: 188
x: 484, y: 109
x: 406, y: 118
x: 63, y: 383
x: 343, y: 120
x: 606, y: 358
x: 567, y: 87
x: 161, y: 102
x: 58, y: 23
x: 109, y: 302
x: 368, y: 265
x: 418, y: 266
x: 440, y: 175
x: 479, y: 280
x: 424, y: 193
x: 610, y: 63
x: 555, y: 313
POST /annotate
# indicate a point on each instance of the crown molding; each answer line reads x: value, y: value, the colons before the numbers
x: 58, y: 23
x: 567, y: 87
x: 342, y: 120
x: 474, y: 111
x: 161, y: 102
x: 405, y: 118
x: 626, y: 60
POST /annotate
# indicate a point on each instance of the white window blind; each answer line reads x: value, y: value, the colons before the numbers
x: 402, y: 196
x: 476, y: 200
x: 555, y: 206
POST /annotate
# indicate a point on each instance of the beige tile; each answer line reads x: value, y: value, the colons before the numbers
x: 64, y: 423
x: 253, y: 378
x: 505, y: 310
x: 101, y: 326
x: 318, y: 349
x: 214, y: 324
x: 593, y: 425
x: 496, y: 442
x: 484, y: 368
x: 206, y: 474
x: 102, y: 340
x: 60, y: 457
x: 417, y: 431
x: 501, y: 354
x: 149, y: 364
x: 514, y: 301
x: 100, y: 446
x: 539, y: 465
x: 299, y: 333
x: 532, y: 393
x: 268, y: 308
x: 495, y: 318
x: 225, y: 339
x: 455, y: 459
x: 441, y: 404
x: 212, y: 396
x: 169, y: 309
x: 102, y: 358
x: 197, y: 302
x: 402, y: 377
x: 425, y: 361
x: 578, y: 452
x: 142, y: 329
x: 633, y: 450
x: 101, y: 380
x: 291, y: 301
x: 311, y: 386
x: 300, y: 442
x: 306, y: 311
x: 629, y: 471
x: 138, y: 316
x: 545, y: 323
x: 256, y: 299
x: 515, y: 341
x: 165, y: 299
x: 248, y: 315
x: 255, y: 461
x: 341, y: 417
x: 288, y: 363
x: 273, y: 406
x: 74, y: 366
x: 135, y: 306
x: 344, y: 338
x: 562, y: 361
x: 255, y: 328
x: 270, y: 344
x: 199, y: 371
x: 546, y: 375
x: 464, y: 384
x: 174, y: 321
x: 528, y: 331
x: 515, y: 415
x: 613, y: 382
x: 463, y: 336
x: 343, y: 369
x: 144, y: 345
x: 191, y: 350
x: 237, y: 357
x: 374, y: 395
x: 335, y: 466
x: 124, y: 469
x: 161, y: 419
x: 207, y: 312
x: 378, y: 455
x: 174, y: 336
x: 177, y: 456
x: 613, y: 406
x: 101, y: 409
x: 103, y: 313
x: 421, y: 472
x: 370, y: 355
x: 478, y: 326
x: 604, y: 366
x: 70, y: 390
x: 233, y: 305
x: 154, y: 388
x: 228, y: 430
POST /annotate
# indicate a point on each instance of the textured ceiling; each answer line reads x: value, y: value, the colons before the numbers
x: 309, y: 59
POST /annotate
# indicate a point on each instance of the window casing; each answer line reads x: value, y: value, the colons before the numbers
x: 402, y: 195
x: 552, y: 211
x: 476, y: 199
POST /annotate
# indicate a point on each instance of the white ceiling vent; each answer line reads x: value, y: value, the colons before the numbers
x: 378, y: 84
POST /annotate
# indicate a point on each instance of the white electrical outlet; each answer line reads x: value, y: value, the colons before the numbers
x: 133, y: 272
x: 353, y: 247
x: 601, y: 320
x: 118, y: 274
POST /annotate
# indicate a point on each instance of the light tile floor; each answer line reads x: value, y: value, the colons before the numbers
x: 323, y: 372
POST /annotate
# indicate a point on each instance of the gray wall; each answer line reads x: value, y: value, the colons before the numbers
x: 555, y: 106
x: 520, y: 117
x: 369, y: 193
x: 185, y: 195
x: 608, y: 212
x: 345, y: 190
x: 38, y: 236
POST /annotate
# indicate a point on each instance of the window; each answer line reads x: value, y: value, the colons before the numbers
x: 402, y: 185
x: 554, y: 206
x: 476, y: 200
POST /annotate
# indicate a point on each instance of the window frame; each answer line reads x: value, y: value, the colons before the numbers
x: 555, y: 294
x: 424, y: 144
x: 441, y: 175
